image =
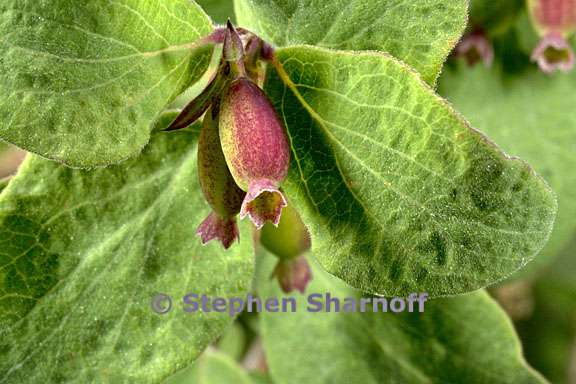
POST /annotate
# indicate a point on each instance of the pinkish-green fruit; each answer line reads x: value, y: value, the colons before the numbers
x: 218, y: 186
x: 289, y: 242
x: 289, y: 239
x: 256, y: 149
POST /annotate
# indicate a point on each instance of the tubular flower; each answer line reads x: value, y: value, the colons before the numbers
x: 293, y: 274
x: 218, y: 186
x: 289, y: 242
x: 476, y: 47
x: 554, y: 20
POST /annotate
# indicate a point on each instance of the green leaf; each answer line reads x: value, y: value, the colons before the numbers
x: 260, y: 378
x: 219, y: 10
x: 399, y: 193
x: 233, y: 341
x: 494, y: 17
x: 82, y: 254
x: 80, y: 82
x: 466, y: 339
x: 4, y: 183
x: 529, y: 116
x: 212, y: 368
x: 549, y: 335
x: 419, y: 32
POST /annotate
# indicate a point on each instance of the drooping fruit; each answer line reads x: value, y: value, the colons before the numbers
x: 289, y: 242
x: 256, y: 149
x: 218, y: 185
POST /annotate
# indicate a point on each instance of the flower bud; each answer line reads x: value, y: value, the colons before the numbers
x: 217, y: 185
x: 289, y: 242
x: 256, y: 149
x: 554, y: 20
x: 233, y: 51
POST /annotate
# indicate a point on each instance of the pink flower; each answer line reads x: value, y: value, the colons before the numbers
x: 476, y: 47
x: 552, y: 53
x: 293, y: 274
x: 554, y: 20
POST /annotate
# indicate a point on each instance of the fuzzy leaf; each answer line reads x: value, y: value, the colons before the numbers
x: 80, y: 82
x: 212, y: 368
x: 4, y: 183
x: 529, y: 116
x: 83, y: 252
x: 419, y: 32
x: 466, y: 339
x: 400, y: 194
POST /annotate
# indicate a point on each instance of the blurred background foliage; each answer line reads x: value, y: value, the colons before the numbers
x: 219, y: 10
x: 530, y: 115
